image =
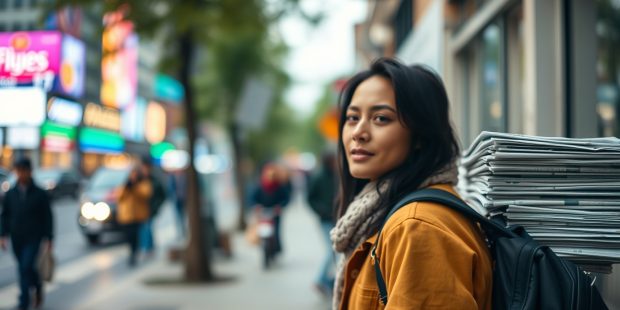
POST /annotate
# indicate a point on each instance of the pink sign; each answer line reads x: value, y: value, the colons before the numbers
x: 29, y: 57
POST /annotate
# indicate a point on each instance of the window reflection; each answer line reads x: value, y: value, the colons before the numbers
x: 492, y: 113
x: 608, y: 66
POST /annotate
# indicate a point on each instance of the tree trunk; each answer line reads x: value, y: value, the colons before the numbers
x: 239, y: 177
x: 197, y: 254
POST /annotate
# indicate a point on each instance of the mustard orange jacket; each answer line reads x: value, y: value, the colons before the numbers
x: 133, y: 203
x: 431, y: 257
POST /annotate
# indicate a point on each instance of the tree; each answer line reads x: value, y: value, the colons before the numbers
x: 235, y: 36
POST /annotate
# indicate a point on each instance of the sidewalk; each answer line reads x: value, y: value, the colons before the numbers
x: 287, y: 286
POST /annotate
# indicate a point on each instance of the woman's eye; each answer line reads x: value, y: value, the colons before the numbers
x: 352, y: 118
x: 381, y: 119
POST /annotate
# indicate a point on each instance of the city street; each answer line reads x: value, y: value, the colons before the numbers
x: 81, y: 269
x: 98, y: 277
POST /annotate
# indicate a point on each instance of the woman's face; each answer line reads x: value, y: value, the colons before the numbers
x: 375, y: 141
x: 269, y: 174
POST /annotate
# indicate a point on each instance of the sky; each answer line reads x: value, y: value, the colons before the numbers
x: 320, y: 54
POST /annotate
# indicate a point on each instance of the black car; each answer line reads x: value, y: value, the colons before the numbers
x: 99, y: 201
x: 58, y: 182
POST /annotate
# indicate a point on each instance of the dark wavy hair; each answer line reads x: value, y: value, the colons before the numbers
x: 422, y: 107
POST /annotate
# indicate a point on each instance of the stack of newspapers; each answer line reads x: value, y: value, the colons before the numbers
x: 565, y: 192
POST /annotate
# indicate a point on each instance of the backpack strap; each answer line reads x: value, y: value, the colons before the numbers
x: 438, y: 196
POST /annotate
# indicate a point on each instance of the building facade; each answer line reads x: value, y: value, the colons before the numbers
x: 546, y: 68
x: 538, y: 67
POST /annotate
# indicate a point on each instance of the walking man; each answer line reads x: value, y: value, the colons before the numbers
x: 27, y: 219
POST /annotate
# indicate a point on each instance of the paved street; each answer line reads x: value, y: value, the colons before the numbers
x: 98, y: 278
x: 69, y: 243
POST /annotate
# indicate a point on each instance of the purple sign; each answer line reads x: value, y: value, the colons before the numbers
x: 29, y: 57
x: 46, y: 59
x: 72, y: 71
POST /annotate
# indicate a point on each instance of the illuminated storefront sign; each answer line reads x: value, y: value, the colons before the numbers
x: 100, y: 141
x: 57, y: 137
x: 22, y: 106
x: 64, y: 111
x: 26, y: 138
x: 133, y: 120
x: 72, y: 72
x: 102, y: 117
x: 119, y: 64
x: 155, y: 123
x: 168, y: 89
x: 158, y: 150
x: 46, y: 59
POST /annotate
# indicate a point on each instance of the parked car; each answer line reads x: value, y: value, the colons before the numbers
x: 98, y: 203
x: 58, y: 182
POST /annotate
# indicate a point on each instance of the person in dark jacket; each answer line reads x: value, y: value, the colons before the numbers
x: 321, y: 198
x: 156, y: 200
x: 27, y: 219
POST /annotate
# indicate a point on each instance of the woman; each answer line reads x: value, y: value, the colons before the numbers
x: 133, y: 209
x: 396, y: 137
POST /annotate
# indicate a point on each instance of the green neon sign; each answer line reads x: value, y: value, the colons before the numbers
x: 54, y: 129
x: 97, y: 138
x: 158, y: 149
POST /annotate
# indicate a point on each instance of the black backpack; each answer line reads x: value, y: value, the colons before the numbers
x: 526, y: 274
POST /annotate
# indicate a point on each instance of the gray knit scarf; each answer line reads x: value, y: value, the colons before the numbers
x: 359, y: 221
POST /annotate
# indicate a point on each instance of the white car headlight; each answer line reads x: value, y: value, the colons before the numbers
x: 88, y: 210
x: 6, y: 185
x: 49, y: 185
x: 102, y: 211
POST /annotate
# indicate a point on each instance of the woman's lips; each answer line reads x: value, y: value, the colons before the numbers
x: 360, y: 155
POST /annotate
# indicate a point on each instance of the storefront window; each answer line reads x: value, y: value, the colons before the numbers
x: 56, y: 159
x: 608, y: 67
x: 6, y: 158
x: 516, y: 69
x: 492, y: 111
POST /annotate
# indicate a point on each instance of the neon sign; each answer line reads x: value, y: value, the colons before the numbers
x: 45, y: 59
x: 29, y: 57
x: 102, y: 117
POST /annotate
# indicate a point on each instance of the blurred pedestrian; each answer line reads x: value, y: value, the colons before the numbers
x: 321, y: 198
x: 178, y: 189
x: 395, y: 137
x: 133, y: 209
x: 272, y: 194
x: 157, y: 198
x: 283, y: 176
x: 27, y: 220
